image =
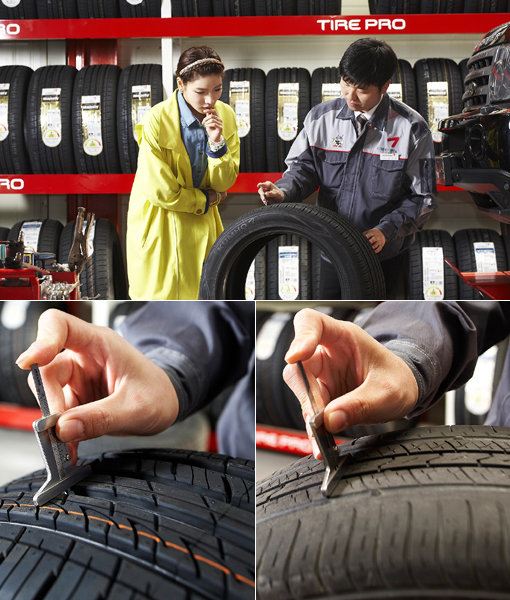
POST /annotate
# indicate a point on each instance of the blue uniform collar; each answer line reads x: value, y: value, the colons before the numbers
x: 188, y: 119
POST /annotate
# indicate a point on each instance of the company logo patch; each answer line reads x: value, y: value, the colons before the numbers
x: 338, y: 141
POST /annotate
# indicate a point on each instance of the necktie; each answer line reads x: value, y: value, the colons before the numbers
x: 361, y: 121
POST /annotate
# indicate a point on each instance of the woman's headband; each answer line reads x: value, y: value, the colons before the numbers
x: 201, y: 61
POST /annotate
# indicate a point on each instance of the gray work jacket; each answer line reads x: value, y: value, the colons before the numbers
x: 441, y: 341
x: 385, y: 178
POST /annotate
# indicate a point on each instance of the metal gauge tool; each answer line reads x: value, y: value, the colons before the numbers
x: 325, y: 440
x: 61, y: 473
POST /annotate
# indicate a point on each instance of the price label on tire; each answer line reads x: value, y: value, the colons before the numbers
x: 288, y: 272
x: 438, y: 105
x: 91, y: 125
x: 288, y: 104
x: 11, y: 3
x: 31, y: 231
x: 141, y: 102
x: 485, y: 257
x: 395, y: 91
x: 4, y: 111
x: 51, y: 117
x: 134, y: 2
x: 433, y: 273
x: 249, y: 286
x: 331, y: 90
x: 239, y: 100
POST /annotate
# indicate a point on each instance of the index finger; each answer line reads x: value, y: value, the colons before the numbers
x: 56, y: 330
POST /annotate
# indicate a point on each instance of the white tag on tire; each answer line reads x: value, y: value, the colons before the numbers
x: 433, y: 273
x: 485, y: 257
x: 288, y: 272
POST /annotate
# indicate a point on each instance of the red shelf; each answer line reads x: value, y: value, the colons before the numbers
x: 38, y: 29
x: 18, y: 417
x: 115, y: 184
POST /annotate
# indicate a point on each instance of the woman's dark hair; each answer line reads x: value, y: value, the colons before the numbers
x: 199, y: 53
x: 368, y: 62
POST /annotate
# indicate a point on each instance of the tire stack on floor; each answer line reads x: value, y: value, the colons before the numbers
x: 257, y: 8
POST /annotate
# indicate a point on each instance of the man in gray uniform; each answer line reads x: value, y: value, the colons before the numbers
x: 404, y: 357
x: 372, y: 157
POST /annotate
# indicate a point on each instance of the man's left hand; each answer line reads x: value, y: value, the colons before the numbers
x: 376, y: 238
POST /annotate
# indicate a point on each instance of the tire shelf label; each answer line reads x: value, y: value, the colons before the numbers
x: 269, y: 333
x: 31, y: 231
x: 134, y: 2
x: 11, y: 3
x: 51, y: 117
x: 249, y: 286
x: 395, y: 91
x: 438, y: 106
x: 433, y: 273
x: 4, y: 111
x: 239, y: 100
x: 288, y: 272
x: 331, y: 90
x: 485, y: 257
x: 91, y: 125
x: 288, y: 104
x: 141, y: 103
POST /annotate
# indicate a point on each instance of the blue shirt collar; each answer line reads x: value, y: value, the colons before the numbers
x: 188, y: 119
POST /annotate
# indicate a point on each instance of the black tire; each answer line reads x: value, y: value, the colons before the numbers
x: 253, y: 157
x: 472, y: 6
x: 134, y: 75
x: 13, y: 149
x: 26, y: 9
x: 106, y: 268
x: 202, y: 8
x: 359, y: 271
x: 277, y: 148
x: 97, y: 9
x: 263, y: 8
x: 50, y: 158
x: 146, y: 8
x: 56, y: 9
x: 432, y: 238
x: 4, y: 232
x: 319, y: 7
x: 405, y: 76
x: 16, y: 335
x: 97, y: 80
x: 418, y: 514
x: 438, y: 70
x: 320, y: 77
x: 149, y: 525
x: 466, y: 262
x: 49, y: 234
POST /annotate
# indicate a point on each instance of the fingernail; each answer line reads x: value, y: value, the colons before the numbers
x: 337, y: 421
x: 71, y: 430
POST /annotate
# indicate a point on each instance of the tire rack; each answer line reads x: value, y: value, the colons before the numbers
x: 95, y: 41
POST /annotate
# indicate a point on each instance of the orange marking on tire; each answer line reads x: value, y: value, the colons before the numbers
x: 244, y: 579
x: 208, y: 561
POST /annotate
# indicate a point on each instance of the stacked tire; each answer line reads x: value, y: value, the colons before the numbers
x: 250, y: 86
x: 478, y: 250
x: 258, y: 8
x: 392, y: 7
x: 60, y: 120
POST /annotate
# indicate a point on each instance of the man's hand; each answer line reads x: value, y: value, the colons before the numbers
x: 215, y: 197
x: 356, y: 378
x: 100, y: 383
x: 376, y: 238
x: 213, y: 125
x: 269, y: 193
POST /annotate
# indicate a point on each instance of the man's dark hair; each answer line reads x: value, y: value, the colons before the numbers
x: 368, y: 62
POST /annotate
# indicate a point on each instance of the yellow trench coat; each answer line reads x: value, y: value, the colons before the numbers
x: 168, y: 234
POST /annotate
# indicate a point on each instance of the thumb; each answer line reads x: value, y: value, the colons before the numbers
x: 92, y: 420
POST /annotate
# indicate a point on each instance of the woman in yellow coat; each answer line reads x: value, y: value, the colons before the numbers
x: 188, y: 159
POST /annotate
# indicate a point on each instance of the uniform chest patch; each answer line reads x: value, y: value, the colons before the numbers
x: 338, y: 141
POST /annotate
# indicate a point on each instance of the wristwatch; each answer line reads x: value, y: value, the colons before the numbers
x: 215, y: 146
